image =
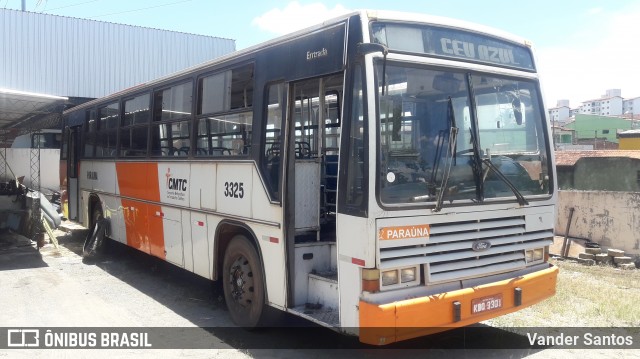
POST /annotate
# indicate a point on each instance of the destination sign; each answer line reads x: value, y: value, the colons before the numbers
x: 443, y: 42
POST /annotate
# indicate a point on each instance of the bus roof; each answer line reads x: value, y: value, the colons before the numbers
x: 370, y: 15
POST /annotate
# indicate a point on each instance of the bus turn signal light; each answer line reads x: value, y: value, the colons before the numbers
x: 371, y: 280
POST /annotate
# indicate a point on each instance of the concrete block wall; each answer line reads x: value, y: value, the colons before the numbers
x: 611, y: 219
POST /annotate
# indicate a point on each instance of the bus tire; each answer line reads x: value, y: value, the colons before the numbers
x: 94, y: 244
x: 242, y: 281
x: 96, y: 214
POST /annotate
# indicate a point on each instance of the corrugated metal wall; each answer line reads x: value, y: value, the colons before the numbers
x: 85, y: 58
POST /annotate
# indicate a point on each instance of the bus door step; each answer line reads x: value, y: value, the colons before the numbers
x: 327, y: 317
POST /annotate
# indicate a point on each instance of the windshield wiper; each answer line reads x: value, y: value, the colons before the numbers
x: 476, y: 166
x: 521, y: 200
x: 450, y: 157
x: 453, y: 136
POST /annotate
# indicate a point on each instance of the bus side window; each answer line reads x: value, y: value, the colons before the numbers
x: 134, y: 134
x: 224, y: 105
x: 108, y: 118
x: 272, y: 138
x: 171, y: 127
x: 89, y: 138
x: 223, y: 135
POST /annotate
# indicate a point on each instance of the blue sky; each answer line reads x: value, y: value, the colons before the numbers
x: 584, y: 47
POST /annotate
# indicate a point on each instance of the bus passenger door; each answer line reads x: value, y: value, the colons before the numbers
x: 316, y: 131
x: 314, y: 120
x: 306, y: 151
x: 73, y: 163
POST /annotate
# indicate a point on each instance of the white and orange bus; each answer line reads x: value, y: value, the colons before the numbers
x: 386, y: 175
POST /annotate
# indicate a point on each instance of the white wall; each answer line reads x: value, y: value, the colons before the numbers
x: 19, y: 160
x: 615, y: 107
x: 632, y: 107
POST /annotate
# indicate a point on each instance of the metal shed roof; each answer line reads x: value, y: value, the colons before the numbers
x: 25, y: 111
x: 83, y: 58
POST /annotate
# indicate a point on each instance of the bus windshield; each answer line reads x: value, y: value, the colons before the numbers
x: 498, y: 150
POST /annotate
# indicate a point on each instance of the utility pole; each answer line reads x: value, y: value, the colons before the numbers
x: 24, y: 5
x: 553, y: 133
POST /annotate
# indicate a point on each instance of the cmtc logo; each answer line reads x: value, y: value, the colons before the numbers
x: 176, y: 184
x: 23, y: 338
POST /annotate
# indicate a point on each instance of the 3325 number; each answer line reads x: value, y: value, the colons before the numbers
x: 234, y: 189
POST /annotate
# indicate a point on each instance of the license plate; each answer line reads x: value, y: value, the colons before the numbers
x: 485, y: 304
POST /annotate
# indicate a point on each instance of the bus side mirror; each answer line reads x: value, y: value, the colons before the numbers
x: 369, y: 48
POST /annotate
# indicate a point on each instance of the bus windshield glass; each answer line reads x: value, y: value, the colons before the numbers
x: 446, y: 134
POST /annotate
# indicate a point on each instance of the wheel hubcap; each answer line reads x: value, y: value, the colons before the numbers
x: 241, y: 280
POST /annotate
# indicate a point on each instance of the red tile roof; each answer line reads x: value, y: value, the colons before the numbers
x: 569, y: 158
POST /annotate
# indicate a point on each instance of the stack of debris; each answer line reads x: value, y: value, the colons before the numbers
x: 615, y: 257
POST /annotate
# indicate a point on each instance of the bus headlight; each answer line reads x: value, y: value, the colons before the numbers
x: 390, y: 277
x: 528, y: 256
x: 408, y: 275
x: 400, y: 278
x: 534, y: 255
x: 538, y: 254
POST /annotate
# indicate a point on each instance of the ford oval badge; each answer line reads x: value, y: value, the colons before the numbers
x: 480, y: 246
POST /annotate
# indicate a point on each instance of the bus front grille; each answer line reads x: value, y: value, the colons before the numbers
x: 449, y: 254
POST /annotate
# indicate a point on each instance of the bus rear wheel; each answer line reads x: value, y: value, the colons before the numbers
x: 243, y: 284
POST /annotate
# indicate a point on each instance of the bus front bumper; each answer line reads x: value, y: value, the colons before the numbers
x: 382, y: 324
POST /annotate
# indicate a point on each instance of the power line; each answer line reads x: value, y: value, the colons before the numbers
x: 145, y: 8
x: 64, y: 7
x: 38, y: 3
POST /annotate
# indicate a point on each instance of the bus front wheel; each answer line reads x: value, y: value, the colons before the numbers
x: 242, y: 281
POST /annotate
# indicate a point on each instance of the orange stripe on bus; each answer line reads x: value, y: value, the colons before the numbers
x: 135, y: 221
x: 156, y: 231
x: 138, y: 180
x: 145, y: 230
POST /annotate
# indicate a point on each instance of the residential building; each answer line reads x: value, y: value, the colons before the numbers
x: 610, y: 104
x: 562, y: 136
x: 631, y: 108
x: 574, y: 111
x: 599, y: 128
x: 560, y: 114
